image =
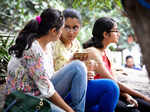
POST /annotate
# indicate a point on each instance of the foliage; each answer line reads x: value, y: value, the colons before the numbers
x: 93, y: 9
x: 21, y: 11
x: 5, y: 42
x: 101, y: 4
x: 13, y: 18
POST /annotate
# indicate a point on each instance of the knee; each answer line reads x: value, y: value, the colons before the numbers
x: 114, y: 87
x: 110, y: 86
x: 80, y: 67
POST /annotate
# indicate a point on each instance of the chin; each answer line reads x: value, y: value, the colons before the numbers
x: 116, y: 41
x: 72, y: 39
x: 55, y: 39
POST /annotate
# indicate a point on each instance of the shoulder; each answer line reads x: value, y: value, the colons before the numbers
x: 94, y: 53
x: 93, y: 50
x: 34, y: 51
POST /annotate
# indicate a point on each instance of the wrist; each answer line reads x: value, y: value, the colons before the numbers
x: 144, y: 97
x: 127, y: 96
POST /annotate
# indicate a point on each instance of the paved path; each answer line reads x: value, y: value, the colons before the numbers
x: 137, y: 80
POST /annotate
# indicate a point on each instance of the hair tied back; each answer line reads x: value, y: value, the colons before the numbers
x: 38, y: 19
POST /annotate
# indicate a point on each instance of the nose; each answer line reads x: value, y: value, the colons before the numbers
x: 118, y: 34
x: 71, y: 31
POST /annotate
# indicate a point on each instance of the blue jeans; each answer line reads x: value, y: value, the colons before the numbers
x: 102, y: 95
x: 72, y: 79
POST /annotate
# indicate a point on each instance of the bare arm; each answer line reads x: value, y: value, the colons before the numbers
x: 33, y: 61
x: 129, y: 99
x: 132, y: 92
x: 101, y: 69
x: 57, y: 100
x: 94, y: 54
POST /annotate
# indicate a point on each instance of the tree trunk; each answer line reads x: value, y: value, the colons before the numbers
x: 139, y: 17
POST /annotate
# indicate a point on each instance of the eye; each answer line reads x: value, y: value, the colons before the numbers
x: 67, y: 27
x: 76, y: 27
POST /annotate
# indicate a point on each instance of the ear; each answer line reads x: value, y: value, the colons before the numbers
x: 105, y: 34
x: 53, y: 30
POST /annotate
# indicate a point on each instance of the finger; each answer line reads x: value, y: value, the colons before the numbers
x: 90, y: 77
x: 91, y: 73
x: 82, y: 58
x: 86, y: 57
x: 133, y: 101
x: 136, y: 103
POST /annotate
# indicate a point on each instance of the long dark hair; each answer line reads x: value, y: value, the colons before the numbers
x: 72, y: 13
x: 34, y: 29
x: 101, y: 25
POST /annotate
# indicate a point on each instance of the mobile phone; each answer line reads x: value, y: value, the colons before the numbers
x: 130, y: 105
x: 80, y: 55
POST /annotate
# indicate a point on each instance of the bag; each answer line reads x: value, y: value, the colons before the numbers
x: 20, y: 102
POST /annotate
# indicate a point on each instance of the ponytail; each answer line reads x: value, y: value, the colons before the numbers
x: 25, y: 39
x: 36, y: 28
x: 89, y: 43
x: 93, y: 42
x: 104, y: 24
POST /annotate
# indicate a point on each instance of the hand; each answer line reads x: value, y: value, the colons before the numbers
x: 131, y: 100
x: 91, y: 65
x: 90, y: 75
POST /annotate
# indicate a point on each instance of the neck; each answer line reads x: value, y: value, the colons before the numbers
x: 67, y: 43
x: 43, y: 41
x: 105, y: 44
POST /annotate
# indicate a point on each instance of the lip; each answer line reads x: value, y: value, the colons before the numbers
x: 71, y: 37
